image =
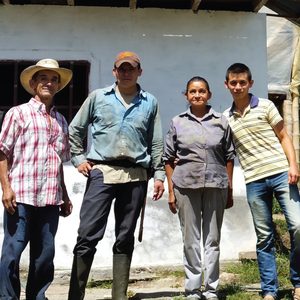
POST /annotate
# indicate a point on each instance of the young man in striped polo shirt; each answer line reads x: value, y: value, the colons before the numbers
x: 267, y: 158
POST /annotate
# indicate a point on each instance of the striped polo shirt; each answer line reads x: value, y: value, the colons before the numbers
x: 258, y: 148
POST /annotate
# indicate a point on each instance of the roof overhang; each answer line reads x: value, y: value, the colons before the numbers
x: 289, y: 9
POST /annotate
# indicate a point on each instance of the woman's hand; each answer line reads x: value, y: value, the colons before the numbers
x: 172, y: 203
x: 229, y: 198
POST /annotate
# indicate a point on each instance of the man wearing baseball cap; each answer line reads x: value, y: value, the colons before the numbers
x: 33, y: 146
x: 127, y: 142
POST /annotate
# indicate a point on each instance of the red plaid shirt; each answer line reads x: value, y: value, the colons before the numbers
x: 35, y: 152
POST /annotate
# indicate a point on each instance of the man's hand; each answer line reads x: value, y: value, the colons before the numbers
x: 66, y: 208
x: 172, y: 203
x: 9, y: 200
x: 293, y: 175
x: 85, y: 168
x: 229, y: 199
x: 158, y: 190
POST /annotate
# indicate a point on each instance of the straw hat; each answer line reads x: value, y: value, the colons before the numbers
x: 45, y: 64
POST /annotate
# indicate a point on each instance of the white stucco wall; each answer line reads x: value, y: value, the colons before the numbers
x: 173, y: 46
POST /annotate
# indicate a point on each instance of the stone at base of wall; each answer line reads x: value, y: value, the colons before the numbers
x: 248, y: 255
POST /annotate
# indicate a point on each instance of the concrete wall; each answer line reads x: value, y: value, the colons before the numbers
x: 173, y: 46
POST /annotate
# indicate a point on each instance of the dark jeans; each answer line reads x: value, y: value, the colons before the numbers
x: 95, y: 210
x: 37, y: 225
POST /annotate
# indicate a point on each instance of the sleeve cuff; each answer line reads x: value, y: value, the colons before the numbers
x: 159, y: 175
x: 78, y: 160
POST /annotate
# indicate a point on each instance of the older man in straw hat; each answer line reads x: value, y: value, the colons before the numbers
x: 33, y: 146
x: 126, y: 141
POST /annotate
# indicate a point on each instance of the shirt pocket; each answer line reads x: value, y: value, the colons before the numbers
x: 214, y: 140
x: 139, y: 119
x: 107, y: 115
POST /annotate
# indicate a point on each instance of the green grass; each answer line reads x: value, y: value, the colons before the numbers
x: 283, y: 270
x: 180, y: 297
x: 281, y: 237
x: 276, y: 209
x: 281, y: 226
x: 247, y: 272
x: 163, y: 273
x: 178, y: 274
x: 100, y: 284
x: 234, y: 292
x: 240, y: 295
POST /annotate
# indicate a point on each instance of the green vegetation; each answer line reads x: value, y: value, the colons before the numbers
x: 178, y: 273
x: 180, y: 297
x: 247, y: 272
x: 100, y: 284
x: 281, y: 226
x: 234, y: 292
x: 283, y: 270
x: 281, y: 237
x: 276, y: 209
x: 163, y: 273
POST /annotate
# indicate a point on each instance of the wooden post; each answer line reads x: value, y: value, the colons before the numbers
x: 287, y: 117
x: 296, y: 125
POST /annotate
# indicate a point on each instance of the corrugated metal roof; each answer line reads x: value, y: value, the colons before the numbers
x: 289, y: 9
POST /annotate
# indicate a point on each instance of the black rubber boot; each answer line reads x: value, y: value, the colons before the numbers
x: 121, y: 268
x: 79, y: 277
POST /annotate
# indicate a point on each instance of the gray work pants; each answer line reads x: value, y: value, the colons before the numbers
x: 198, y: 209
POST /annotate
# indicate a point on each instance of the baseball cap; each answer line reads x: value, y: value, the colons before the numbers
x: 127, y: 56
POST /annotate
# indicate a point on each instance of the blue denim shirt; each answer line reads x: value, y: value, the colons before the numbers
x: 134, y: 134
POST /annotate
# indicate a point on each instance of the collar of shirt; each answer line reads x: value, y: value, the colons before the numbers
x: 112, y: 89
x: 211, y: 112
x: 40, y: 106
x: 253, y: 102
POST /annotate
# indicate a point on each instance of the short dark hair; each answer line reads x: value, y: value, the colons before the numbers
x: 196, y: 79
x: 238, y: 68
x: 34, y: 76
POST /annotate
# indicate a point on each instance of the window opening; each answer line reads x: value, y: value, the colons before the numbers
x: 67, y: 101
